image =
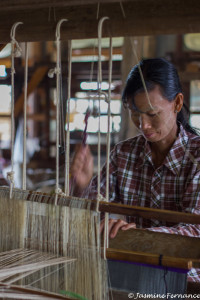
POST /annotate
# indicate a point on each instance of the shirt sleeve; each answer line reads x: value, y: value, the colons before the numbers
x: 191, y: 202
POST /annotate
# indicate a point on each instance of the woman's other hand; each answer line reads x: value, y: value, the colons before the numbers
x: 114, y: 225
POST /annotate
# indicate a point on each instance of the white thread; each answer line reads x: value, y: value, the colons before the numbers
x: 10, y: 177
x: 141, y: 74
x: 122, y: 9
x: 57, y: 72
x: 67, y: 151
x: 99, y: 198
x: 59, y: 191
x: 13, y: 43
x: 106, y: 237
x: 107, y: 99
x: 108, y: 129
x: 25, y: 113
x: 99, y: 89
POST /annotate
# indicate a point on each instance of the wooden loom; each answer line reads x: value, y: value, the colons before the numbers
x: 36, y: 236
x: 133, y: 246
x: 150, y: 255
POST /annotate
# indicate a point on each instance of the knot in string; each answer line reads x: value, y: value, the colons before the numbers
x: 54, y: 71
x: 10, y: 176
x: 57, y: 70
x: 13, y: 70
x: 99, y: 198
x: 59, y: 191
x: 18, y: 51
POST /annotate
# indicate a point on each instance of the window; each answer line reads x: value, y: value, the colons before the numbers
x: 5, y: 110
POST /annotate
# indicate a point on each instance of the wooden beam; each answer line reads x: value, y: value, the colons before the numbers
x: 115, y: 208
x: 30, y: 4
x: 151, y: 259
x: 35, y: 80
x: 141, y: 240
x: 28, y: 291
x: 149, y: 213
x: 142, y: 17
x: 143, y: 246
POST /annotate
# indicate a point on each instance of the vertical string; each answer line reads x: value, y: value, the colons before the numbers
x: 57, y: 114
x: 106, y: 239
x: 122, y: 9
x: 25, y: 115
x: 109, y: 116
x: 10, y: 175
x: 99, y: 79
x: 58, y: 71
x: 67, y: 152
x: 12, y: 117
x: 140, y: 71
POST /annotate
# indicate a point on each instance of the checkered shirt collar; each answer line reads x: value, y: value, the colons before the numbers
x: 174, y: 158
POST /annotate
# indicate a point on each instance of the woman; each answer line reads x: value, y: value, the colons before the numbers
x: 159, y: 168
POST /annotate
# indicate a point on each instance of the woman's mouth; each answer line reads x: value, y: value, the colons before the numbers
x: 148, y: 135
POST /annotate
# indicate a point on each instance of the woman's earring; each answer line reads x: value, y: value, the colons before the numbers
x: 175, y: 111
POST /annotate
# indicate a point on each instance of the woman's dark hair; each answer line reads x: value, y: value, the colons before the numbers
x: 157, y: 72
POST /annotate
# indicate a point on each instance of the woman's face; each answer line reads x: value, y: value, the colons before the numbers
x: 155, y: 120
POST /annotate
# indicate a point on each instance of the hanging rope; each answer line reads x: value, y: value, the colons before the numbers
x: 99, y: 91
x: 67, y: 152
x: 57, y: 71
x: 107, y: 99
x: 25, y: 114
x: 15, y: 52
x: 134, y: 44
x: 106, y: 237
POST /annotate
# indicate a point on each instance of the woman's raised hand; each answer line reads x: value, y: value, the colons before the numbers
x: 82, y: 167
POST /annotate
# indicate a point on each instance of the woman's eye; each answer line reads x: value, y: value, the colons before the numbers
x: 152, y: 115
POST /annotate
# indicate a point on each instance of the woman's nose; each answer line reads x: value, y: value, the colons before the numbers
x: 144, y: 122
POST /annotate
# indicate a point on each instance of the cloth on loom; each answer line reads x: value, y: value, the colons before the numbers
x: 175, y: 185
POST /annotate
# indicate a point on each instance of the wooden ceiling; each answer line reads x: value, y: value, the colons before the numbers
x: 140, y: 17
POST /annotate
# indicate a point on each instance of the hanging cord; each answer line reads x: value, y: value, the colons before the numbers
x: 25, y: 114
x: 99, y: 92
x: 67, y: 152
x: 134, y: 44
x: 51, y: 73
x: 15, y: 52
x: 107, y: 99
x: 98, y: 7
x: 106, y: 239
x: 122, y: 9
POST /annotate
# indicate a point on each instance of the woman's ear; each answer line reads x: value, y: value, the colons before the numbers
x: 178, y: 102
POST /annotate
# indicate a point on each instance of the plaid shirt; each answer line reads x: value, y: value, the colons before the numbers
x: 175, y: 185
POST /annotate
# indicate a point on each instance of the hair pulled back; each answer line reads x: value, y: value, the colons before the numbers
x: 157, y: 72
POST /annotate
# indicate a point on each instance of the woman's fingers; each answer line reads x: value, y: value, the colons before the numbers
x: 128, y: 226
x: 115, y: 225
x: 111, y: 222
x: 114, y: 228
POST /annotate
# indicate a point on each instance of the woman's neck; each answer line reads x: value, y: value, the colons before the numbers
x: 161, y: 148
